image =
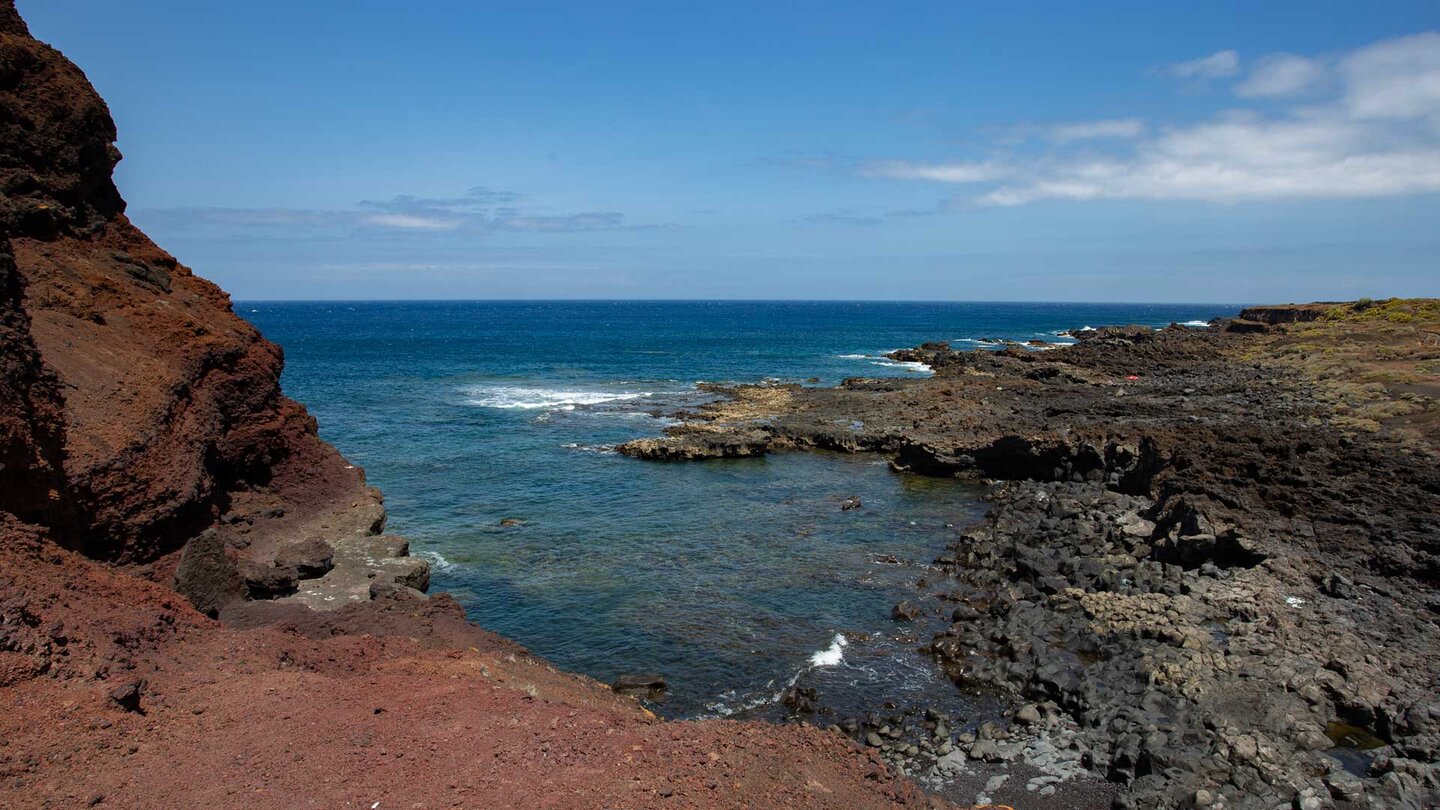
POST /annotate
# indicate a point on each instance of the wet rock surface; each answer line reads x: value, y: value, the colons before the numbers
x: 1198, y: 580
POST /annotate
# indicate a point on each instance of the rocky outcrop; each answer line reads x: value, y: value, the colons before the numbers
x: 1197, y: 576
x: 138, y: 409
x: 1288, y: 313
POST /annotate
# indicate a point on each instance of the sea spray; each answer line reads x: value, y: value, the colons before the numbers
x: 830, y: 656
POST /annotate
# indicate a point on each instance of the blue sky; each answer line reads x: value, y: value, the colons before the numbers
x: 1020, y: 151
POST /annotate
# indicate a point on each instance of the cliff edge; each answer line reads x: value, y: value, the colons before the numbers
x: 141, y: 410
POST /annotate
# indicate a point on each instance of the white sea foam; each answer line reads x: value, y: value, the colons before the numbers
x: 908, y: 365
x: 880, y: 359
x: 725, y: 706
x: 729, y: 702
x: 602, y: 449
x: 1196, y: 323
x: 513, y: 397
x: 437, y: 561
x: 832, y: 655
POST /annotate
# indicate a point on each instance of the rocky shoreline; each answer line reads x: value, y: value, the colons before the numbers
x: 1209, y: 573
x: 1207, y: 580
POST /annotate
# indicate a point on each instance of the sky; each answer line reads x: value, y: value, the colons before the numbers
x: 1143, y: 151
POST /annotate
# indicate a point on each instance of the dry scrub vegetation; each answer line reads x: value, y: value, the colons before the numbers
x: 1376, y: 362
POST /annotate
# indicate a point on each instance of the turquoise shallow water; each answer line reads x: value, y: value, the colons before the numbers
x: 730, y: 578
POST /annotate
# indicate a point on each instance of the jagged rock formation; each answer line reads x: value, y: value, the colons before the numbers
x: 140, y: 409
x: 1210, y: 571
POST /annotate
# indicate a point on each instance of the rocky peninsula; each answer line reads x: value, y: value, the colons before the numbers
x: 1209, y: 571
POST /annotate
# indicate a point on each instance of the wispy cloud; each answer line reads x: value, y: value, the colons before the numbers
x: 408, y: 222
x: 1373, y: 131
x: 480, y: 210
x: 476, y: 198
x: 1093, y: 130
x: 1281, y: 74
x: 1217, y: 65
x: 940, y: 172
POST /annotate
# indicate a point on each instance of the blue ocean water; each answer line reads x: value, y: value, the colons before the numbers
x: 731, y: 578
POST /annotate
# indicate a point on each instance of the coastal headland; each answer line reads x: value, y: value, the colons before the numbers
x: 1208, y: 573
x: 1207, y: 580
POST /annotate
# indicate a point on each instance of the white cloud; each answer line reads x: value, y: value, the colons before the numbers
x: 1215, y: 66
x: 1374, y: 132
x: 1090, y: 130
x: 1281, y: 74
x: 939, y: 172
x: 1398, y: 78
x: 478, y: 211
x: 409, y: 222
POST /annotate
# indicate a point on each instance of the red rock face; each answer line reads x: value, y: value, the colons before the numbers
x: 135, y: 401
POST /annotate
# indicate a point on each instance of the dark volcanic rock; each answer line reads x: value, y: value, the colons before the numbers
x: 1242, y: 326
x: 311, y: 557
x: 639, y: 684
x: 127, y: 695
x: 208, y: 575
x: 1192, y: 558
x: 905, y: 612
x: 1288, y: 313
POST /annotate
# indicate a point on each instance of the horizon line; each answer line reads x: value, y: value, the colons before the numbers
x: 237, y: 300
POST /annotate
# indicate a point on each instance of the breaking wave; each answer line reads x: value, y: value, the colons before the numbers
x: 512, y: 397
x: 730, y: 703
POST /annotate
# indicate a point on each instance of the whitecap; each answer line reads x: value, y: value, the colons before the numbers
x: 832, y: 655
x: 828, y: 657
x: 1201, y: 324
x: 908, y: 365
x: 853, y: 356
x: 512, y: 397
x: 602, y: 449
x: 437, y: 561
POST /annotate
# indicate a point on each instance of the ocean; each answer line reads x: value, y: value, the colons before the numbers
x: 732, y: 579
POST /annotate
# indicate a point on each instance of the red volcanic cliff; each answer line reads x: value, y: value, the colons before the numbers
x: 145, y: 444
x: 149, y: 403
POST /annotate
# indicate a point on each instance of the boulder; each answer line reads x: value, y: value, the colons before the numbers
x: 646, y: 684
x: 310, y: 557
x: 906, y: 612
x: 208, y: 574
